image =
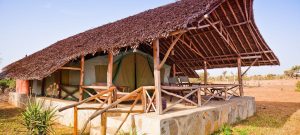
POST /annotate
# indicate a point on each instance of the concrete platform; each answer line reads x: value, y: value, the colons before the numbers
x: 182, y: 120
x: 193, y: 121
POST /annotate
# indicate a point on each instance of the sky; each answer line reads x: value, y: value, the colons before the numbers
x: 31, y: 25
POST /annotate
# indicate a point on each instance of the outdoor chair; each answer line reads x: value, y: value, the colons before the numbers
x: 184, y: 81
x: 174, y: 81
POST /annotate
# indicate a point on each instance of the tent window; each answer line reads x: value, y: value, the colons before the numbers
x: 101, y: 73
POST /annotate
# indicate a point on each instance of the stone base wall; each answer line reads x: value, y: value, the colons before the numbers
x: 199, y: 121
x: 66, y: 117
x: 17, y: 99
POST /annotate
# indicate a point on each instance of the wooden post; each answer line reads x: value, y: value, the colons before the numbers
x: 240, y: 79
x: 174, y: 70
x: 43, y: 87
x: 157, y: 81
x: 81, y: 78
x: 199, y: 97
x: 75, y: 132
x: 174, y: 65
x: 144, y: 100
x: 103, y: 124
x: 59, y: 83
x: 205, y: 76
x: 109, y: 74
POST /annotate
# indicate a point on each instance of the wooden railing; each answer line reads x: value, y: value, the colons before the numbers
x: 76, y: 108
x: 139, y: 94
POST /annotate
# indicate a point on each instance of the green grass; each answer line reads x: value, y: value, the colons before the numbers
x: 271, y: 119
x: 8, y: 83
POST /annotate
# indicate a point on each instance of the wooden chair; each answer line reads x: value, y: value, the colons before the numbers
x: 174, y: 81
x: 184, y: 81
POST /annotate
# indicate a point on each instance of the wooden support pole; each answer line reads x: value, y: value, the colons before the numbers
x: 70, y: 68
x: 205, y: 75
x: 174, y: 70
x: 103, y: 124
x: 157, y: 81
x: 81, y: 78
x: 59, y: 81
x: 199, y: 97
x: 169, y: 51
x: 43, y: 87
x: 222, y: 36
x: 240, y: 79
x: 75, y: 130
x: 109, y: 74
x: 250, y: 66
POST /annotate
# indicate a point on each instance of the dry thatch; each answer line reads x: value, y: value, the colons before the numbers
x: 233, y: 19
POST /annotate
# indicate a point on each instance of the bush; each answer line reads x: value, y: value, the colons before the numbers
x: 8, y: 83
x: 37, y: 120
x: 298, y: 86
x: 224, y: 130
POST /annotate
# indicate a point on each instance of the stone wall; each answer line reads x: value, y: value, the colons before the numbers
x: 199, y: 121
x: 17, y: 99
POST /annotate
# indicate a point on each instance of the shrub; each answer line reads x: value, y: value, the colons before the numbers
x: 224, y: 130
x: 298, y: 86
x: 8, y: 83
x: 242, y: 131
x: 37, y: 120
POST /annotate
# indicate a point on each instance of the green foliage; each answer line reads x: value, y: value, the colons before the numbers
x: 37, y: 120
x: 298, y: 86
x: 242, y: 131
x: 224, y: 130
x: 8, y: 83
x: 292, y: 72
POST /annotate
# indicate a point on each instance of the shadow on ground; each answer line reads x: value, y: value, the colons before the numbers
x: 271, y: 114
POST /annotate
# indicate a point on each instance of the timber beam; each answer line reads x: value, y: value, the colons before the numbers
x: 169, y: 51
x: 224, y: 37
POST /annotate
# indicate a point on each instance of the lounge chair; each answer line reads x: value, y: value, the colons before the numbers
x: 184, y: 81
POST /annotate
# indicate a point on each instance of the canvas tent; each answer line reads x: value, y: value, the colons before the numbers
x: 130, y: 69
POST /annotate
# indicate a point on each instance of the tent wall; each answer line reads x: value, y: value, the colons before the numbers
x: 129, y: 69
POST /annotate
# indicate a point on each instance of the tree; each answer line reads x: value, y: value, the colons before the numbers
x: 293, y: 72
x: 224, y: 74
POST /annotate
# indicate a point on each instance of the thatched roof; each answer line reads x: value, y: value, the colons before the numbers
x: 234, y: 19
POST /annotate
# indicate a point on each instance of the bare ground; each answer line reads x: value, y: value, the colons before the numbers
x: 278, y: 109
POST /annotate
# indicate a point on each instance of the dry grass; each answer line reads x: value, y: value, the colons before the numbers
x: 278, y: 110
x: 11, y: 122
